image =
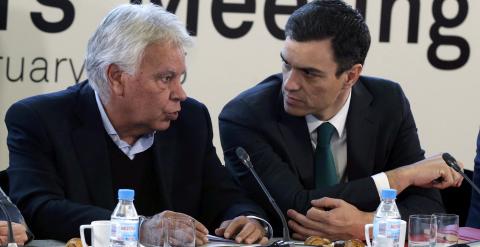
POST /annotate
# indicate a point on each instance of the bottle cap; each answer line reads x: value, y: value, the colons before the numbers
x: 126, y: 194
x: 389, y: 194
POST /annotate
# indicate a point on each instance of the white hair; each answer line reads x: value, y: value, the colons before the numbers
x: 123, y: 35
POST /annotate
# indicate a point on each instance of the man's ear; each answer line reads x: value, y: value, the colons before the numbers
x: 115, y: 79
x: 352, y: 75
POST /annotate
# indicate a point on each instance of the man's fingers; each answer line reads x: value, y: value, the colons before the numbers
x: 297, y: 228
x: 242, y: 229
x: 254, y: 236
x: 447, y: 178
x: 18, y: 228
x: 200, y: 227
x: 225, y: 224
x: 326, y: 202
x: 460, y: 164
x: 457, y: 178
x: 201, y: 237
x: 245, y: 231
x: 234, y: 226
x: 450, y: 178
x: 264, y: 241
x: 317, y: 214
x: 199, y: 241
x: 19, y: 239
x: 303, y: 220
x: 453, y: 176
x: 459, y: 182
x: 219, y: 231
x: 299, y: 236
x: 19, y: 232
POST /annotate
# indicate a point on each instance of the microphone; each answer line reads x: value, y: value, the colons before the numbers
x: 10, y: 238
x: 245, y: 159
x: 453, y: 164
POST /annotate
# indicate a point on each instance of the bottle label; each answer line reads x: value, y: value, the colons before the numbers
x: 387, y: 230
x: 124, y: 231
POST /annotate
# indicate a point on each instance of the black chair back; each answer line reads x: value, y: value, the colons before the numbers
x: 4, y: 182
x: 457, y: 200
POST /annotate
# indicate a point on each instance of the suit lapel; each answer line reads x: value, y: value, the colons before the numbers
x: 296, y: 137
x: 91, y: 148
x: 164, y: 163
x: 362, y: 129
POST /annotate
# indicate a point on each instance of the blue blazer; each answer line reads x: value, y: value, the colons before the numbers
x: 60, y: 175
x: 474, y: 212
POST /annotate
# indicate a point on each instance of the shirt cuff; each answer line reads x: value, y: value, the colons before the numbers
x: 381, y: 182
x: 268, y: 228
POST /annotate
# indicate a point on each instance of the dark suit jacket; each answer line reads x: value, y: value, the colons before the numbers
x: 60, y: 173
x: 381, y: 135
x: 474, y: 212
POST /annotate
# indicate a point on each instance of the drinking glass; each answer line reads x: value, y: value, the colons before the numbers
x: 447, y: 229
x: 179, y: 231
x: 151, y: 231
x: 166, y: 230
x: 422, y: 230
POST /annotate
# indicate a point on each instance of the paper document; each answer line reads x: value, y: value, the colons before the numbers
x: 215, y: 241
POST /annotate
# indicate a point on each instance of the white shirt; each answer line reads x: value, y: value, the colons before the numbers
x: 143, y: 143
x: 338, y: 144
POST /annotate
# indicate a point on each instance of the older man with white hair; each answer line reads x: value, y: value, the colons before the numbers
x: 131, y: 125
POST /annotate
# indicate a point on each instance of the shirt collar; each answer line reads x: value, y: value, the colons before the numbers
x: 143, y: 143
x: 106, y: 121
x: 338, y: 121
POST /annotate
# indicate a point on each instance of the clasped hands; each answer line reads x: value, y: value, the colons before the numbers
x: 19, y: 233
x: 242, y: 229
x: 329, y: 218
x: 337, y: 219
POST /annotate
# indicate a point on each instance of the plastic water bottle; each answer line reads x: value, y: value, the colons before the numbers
x: 387, y: 221
x: 124, y: 221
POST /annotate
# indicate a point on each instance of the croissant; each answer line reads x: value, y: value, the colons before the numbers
x: 325, y: 242
x: 74, y: 242
x: 318, y: 241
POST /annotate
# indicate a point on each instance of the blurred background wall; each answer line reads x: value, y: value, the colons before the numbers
x: 430, y: 47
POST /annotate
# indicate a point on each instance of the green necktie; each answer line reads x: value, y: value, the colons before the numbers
x: 325, y: 171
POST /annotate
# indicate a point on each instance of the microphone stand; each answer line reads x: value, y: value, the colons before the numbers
x: 245, y: 159
x: 11, y: 238
x: 453, y: 164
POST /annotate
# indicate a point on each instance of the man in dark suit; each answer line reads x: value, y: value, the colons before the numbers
x: 130, y: 125
x: 474, y: 212
x: 321, y: 136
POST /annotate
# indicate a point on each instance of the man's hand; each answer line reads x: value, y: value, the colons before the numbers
x: 329, y: 218
x: 243, y: 230
x: 19, y: 233
x: 153, y: 225
x: 432, y: 172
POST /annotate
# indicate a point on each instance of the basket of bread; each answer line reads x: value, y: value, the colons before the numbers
x: 325, y: 242
x: 74, y: 242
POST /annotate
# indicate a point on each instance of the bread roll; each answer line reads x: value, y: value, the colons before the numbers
x: 74, y: 242
x: 318, y: 241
